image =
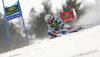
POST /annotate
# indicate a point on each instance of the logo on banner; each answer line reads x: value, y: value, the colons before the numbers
x: 67, y: 15
x: 11, y: 10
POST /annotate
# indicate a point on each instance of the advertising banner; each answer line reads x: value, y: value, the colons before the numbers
x: 67, y: 16
x: 12, y: 12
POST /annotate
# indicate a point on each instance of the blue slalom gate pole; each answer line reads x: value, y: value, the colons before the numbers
x: 6, y: 27
x: 23, y: 23
x: 25, y: 31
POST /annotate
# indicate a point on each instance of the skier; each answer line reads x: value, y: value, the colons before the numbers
x: 58, y: 26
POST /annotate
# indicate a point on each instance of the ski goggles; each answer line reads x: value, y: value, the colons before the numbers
x: 47, y: 20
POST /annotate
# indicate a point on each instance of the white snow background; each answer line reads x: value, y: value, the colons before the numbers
x: 85, y: 43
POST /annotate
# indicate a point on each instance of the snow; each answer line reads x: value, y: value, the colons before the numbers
x: 85, y: 43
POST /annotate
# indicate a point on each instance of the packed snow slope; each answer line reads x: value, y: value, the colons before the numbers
x: 85, y: 43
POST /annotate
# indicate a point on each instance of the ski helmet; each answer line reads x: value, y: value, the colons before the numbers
x: 47, y: 17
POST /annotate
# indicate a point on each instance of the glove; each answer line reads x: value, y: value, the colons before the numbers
x: 57, y: 28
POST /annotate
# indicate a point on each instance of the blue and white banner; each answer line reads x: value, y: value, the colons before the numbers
x: 12, y: 11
